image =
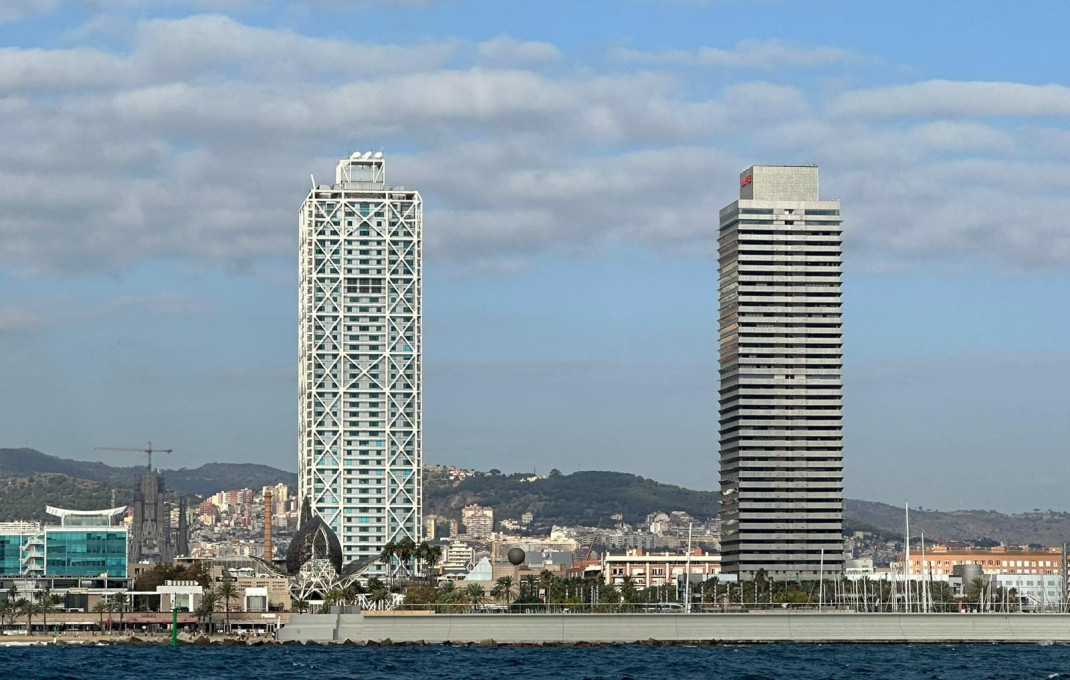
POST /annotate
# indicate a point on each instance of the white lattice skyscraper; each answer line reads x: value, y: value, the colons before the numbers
x: 360, y: 376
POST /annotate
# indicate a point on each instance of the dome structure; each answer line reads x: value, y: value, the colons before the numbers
x: 314, y: 540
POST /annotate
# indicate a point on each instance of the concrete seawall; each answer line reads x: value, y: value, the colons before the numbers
x: 626, y: 628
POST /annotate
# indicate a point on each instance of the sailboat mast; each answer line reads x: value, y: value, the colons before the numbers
x: 906, y: 562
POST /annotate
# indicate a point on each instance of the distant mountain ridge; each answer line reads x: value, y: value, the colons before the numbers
x: 206, y: 479
x: 582, y: 498
x: 29, y: 479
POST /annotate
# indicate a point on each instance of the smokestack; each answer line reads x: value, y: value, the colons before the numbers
x: 269, y: 550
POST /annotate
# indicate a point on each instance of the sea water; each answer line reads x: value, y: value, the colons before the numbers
x: 618, y: 662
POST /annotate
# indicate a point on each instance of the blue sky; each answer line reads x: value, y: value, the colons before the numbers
x: 572, y: 157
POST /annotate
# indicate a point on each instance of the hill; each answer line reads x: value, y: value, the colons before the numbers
x: 584, y: 498
x: 589, y: 497
x: 982, y: 526
x: 26, y: 497
x: 30, y: 479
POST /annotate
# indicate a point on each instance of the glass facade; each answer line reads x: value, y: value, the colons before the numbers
x: 10, y: 554
x: 86, y: 553
x: 64, y: 552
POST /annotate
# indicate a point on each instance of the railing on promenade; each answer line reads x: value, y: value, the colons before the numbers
x: 676, y: 608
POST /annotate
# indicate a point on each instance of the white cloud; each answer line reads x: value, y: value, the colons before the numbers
x: 29, y: 70
x: 196, y: 142
x: 506, y: 51
x: 17, y: 10
x: 184, y: 48
x: 757, y: 54
x: 955, y: 99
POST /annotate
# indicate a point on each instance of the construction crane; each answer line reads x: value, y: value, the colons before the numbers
x: 148, y: 451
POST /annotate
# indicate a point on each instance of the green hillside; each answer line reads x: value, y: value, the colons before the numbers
x: 203, y: 480
x: 585, y: 498
x: 26, y: 497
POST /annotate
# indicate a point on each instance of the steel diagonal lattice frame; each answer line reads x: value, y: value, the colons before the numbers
x: 360, y: 359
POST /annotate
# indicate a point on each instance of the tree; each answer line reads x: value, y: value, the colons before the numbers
x: 547, y: 580
x: 390, y: 550
x: 448, y: 593
x: 527, y: 584
x: 122, y: 602
x: 378, y: 593
x: 405, y: 551
x: 351, y: 593
x: 227, y: 592
x: 45, y: 603
x: 204, y: 610
x: 429, y: 555
x: 503, y: 590
x: 101, y: 607
x: 160, y: 573
x: 975, y: 591
x: 432, y: 557
x: 300, y: 605
x: 330, y: 598
x: 28, y: 609
x: 474, y: 594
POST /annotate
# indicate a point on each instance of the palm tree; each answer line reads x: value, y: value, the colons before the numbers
x: 447, y: 593
x: 975, y: 591
x: 209, y: 600
x: 45, y: 603
x: 432, y: 558
x: 331, y: 598
x: 351, y: 593
x: 27, y: 608
x: 503, y: 589
x: 100, y: 608
x: 121, y: 601
x: 546, y: 581
x: 475, y: 594
x: 300, y: 605
x: 390, y: 551
x: 5, y: 607
x: 709, y: 589
x: 379, y: 593
x: 227, y: 592
x: 405, y: 551
x: 528, y: 583
x: 421, y: 554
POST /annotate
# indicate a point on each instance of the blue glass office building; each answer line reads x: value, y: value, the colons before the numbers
x: 84, y: 544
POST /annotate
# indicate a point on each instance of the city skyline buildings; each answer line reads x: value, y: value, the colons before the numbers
x: 154, y: 298
x: 781, y: 382
x: 360, y: 373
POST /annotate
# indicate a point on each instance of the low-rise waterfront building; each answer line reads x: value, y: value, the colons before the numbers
x: 939, y: 560
x: 656, y: 569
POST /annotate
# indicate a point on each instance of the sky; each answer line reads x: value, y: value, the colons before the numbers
x: 572, y: 157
